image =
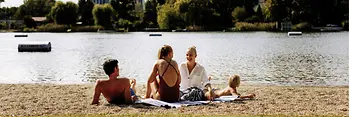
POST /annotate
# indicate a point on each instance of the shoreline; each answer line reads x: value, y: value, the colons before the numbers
x: 275, y: 31
x: 63, y: 99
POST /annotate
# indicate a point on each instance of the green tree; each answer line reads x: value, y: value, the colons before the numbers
x: 239, y: 14
x: 168, y: 18
x: 103, y: 15
x: 150, y: 14
x: 194, y: 12
x: 29, y: 22
x: 64, y: 13
x: 34, y: 8
x: 8, y: 13
x: 224, y: 8
x: 85, y: 11
x: 275, y: 10
x: 124, y: 9
x: 259, y: 14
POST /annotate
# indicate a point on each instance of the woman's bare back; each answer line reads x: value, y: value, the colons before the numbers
x: 171, y: 73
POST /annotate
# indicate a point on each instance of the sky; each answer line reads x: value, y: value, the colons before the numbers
x: 17, y: 3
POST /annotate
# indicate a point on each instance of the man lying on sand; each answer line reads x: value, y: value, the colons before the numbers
x: 115, y: 90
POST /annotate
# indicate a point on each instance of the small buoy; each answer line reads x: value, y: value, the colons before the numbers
x: 35, y: 47
x: 294, y: 33
x: 155, y: 34
x: 21, y: 35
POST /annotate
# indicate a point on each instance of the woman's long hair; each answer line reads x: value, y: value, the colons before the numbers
x: 164, y: 51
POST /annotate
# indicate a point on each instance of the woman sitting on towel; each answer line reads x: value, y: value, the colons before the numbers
x: 195, y: 84
x: 166, y: 86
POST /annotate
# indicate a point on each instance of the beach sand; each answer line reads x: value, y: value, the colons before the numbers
x: 52, y: 99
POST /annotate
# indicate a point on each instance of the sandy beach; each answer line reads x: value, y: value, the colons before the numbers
x: 52, y: 99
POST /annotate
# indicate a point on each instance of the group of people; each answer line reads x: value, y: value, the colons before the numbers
x: 166, y: 82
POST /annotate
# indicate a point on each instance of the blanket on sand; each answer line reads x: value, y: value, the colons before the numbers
x: 159, y: 103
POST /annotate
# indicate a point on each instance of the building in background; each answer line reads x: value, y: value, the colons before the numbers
x: 100, y: 1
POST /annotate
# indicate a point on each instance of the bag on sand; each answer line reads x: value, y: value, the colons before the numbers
x: 192, y: 94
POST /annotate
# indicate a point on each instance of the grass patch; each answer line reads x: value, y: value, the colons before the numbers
x: 53, y: 28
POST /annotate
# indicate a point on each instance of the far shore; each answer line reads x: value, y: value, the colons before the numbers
x: 19, y: 31
x: 53, y: 99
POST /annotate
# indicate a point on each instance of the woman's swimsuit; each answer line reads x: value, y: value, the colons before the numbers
x: 168, y: 94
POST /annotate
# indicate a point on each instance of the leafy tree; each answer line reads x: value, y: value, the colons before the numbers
x: 224, y: 8
x: 194, y: 12
x: 168, y: 18
x: 35, y: 8
x: 150, y: 14
x: 161, y: 2
x: 275, y: 10
x: 85, y: 11
x: 103, y: 15
x: 239, y: 14
x: 124, y: 8
x: 259, y: 14
x: 29, y: 22
x: 64, y: 13
x: 8, y: 13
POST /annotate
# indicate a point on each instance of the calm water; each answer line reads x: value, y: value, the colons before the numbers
x: 259, y: 57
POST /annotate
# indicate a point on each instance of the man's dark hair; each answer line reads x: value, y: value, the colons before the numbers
x: 109, y: 66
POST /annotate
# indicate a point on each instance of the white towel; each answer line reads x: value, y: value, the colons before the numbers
x: 171, y: 105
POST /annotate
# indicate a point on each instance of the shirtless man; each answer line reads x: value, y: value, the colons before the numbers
x: 115, y: 90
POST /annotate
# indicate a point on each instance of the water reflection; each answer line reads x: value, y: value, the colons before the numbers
x: 259, y: 57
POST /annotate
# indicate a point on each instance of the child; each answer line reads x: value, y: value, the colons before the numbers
x: 233, y: 83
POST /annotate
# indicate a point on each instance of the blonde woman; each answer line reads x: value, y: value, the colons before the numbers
x: 166, y: 87
x: 194, y: 79
x: 195, y: 83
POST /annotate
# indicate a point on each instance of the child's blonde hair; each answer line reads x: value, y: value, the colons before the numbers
x: 234, y: 80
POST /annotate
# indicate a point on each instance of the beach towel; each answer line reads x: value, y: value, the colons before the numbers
x: 227, y: 99
x: 159, y: 103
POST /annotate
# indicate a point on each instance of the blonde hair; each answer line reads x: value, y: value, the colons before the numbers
x: 193, y: 49
x: 234, y: 80
x: 164, y: 51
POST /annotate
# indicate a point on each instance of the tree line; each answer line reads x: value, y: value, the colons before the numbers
x: 180, y: 14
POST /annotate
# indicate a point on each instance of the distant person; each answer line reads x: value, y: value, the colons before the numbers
x: 195, y: 84
x: 231, y: 89
x: 115, y: 90
x: 166, y: 86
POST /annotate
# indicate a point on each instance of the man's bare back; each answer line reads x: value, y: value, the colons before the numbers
x: 114, y: 90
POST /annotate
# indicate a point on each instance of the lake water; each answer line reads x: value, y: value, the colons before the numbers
x: 258, y: 57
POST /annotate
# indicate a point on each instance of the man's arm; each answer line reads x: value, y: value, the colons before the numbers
x: 151, y: 79
x: 97, y: 93
x: 127, y: 94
